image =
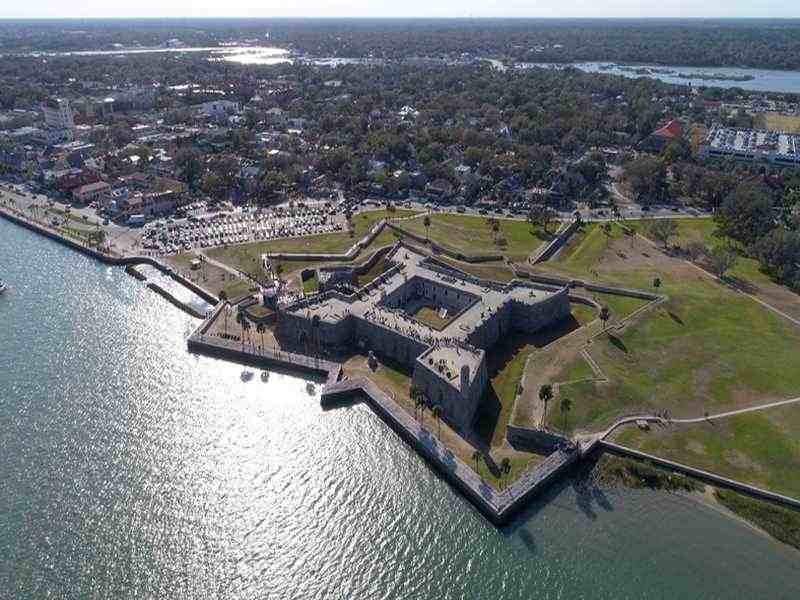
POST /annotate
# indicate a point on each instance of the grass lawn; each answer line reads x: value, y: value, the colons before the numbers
x: 760, y: 448
x: 706, y: 348
x: 585, y: 248
x: 247, y: 257
x: 583, y: 314
x: 210, y: 277
x: 576, y: 371
x: 506, y: 367
x: 378, y: 268
x: 431, y: 318
x: 777, y: 122
x: 746, y: 274
x: 494, y: 271
x: 311, y: 285
x: 473, y: 235
x: 619, y: 306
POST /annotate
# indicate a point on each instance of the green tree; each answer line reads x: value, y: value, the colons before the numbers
x: 437, y: 415
x: 779, y: 254
x: 505, y: 469
x: 476, y: 456
x: 663, y: 230
x: 647, y: 177
x: 746, y: 215
x: 223, y: 297
x: 605, y: 315
x: 545, y: 395
x: 260, y: 328
x: 723, y: 258
x: 566, y: 406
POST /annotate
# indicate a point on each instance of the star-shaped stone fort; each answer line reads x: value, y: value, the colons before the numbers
x: 464, y: 318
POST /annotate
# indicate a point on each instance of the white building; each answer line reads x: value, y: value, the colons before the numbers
x: 58, y: 114
x: 752, y: 145
x: 219, y: 109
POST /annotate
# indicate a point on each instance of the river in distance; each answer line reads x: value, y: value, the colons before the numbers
x: 132, y: 469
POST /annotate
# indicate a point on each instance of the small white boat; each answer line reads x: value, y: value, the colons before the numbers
x: 265, y: 376
x: 3, y: 286
x: 246, y: 375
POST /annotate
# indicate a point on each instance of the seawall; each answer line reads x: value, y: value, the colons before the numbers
x: 106, y: 258
x: 700, y: 474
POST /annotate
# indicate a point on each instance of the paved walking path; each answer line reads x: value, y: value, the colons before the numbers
x: 733, y: 413
x: 587, y: 441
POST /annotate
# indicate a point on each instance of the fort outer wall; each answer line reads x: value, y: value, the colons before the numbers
x: 521, y: 316
x: 459, y: 407
x: 350, y: 330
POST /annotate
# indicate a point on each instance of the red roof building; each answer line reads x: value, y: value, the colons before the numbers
x: 661, y: 138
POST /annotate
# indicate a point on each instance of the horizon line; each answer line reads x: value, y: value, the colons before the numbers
x: 397, y: 17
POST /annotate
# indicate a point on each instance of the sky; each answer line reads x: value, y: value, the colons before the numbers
x: 406, y: 8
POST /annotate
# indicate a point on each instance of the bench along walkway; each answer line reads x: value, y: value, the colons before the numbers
x: 497, y: 506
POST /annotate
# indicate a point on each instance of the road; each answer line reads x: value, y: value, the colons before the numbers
x: 126, y: 240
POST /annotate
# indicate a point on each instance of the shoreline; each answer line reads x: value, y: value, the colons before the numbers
x: 521, y: 490
x: 119, y: 261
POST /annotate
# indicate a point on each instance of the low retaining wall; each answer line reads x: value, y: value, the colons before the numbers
x: 135, y: 273
x: 174, y: 301
x: 556, y: 243
x: 499, y: 507
x: 288, y: 361
x: 711, y: 478
x: 534, y: 439
x: 439, y: 249
x: 592, y: 287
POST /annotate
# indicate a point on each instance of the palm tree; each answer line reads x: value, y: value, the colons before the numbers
x: 476, y: 456
x: 223, y: 297
x: 246, y: 327
x: 241, y: 320
x: 437, y: 414
x: 605, y: 315
x: 566, y: 406
x: 545, y: 395
x: 505, y: 467
x: 427, y: 223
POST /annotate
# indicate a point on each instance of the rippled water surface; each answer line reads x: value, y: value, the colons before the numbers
x: 131, y: 469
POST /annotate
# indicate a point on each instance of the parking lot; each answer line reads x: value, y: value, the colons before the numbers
x: 223, y: 229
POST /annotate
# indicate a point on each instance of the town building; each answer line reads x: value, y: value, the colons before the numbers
x: 91, y: 192
x: 661, y: 138
x: 58, y: 113
x: 752, y: 146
